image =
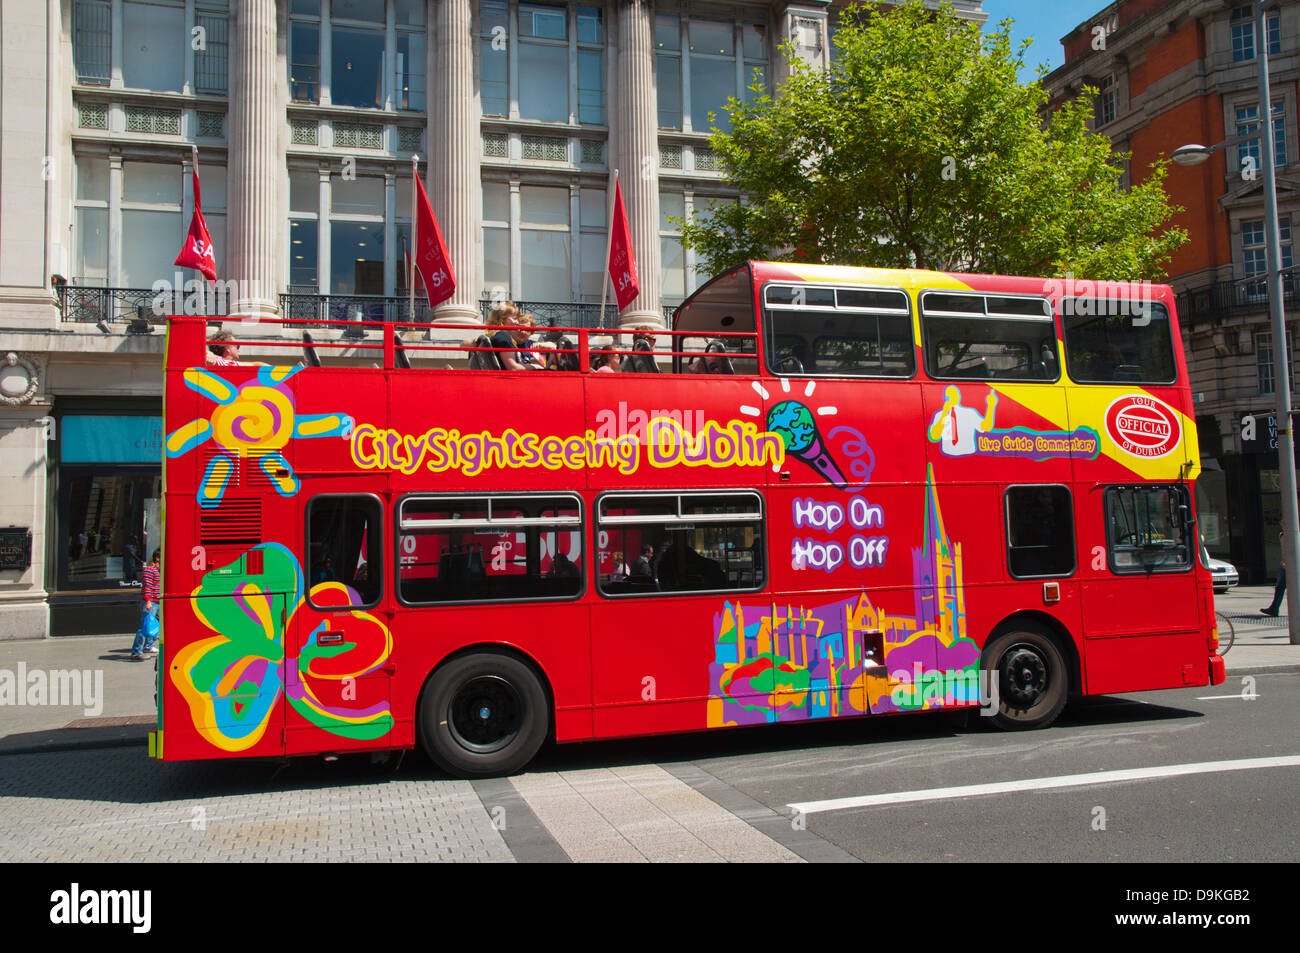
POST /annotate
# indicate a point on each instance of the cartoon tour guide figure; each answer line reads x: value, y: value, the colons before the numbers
x: 955, y: 426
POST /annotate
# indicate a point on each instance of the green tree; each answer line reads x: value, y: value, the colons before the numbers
x: 920, y: 147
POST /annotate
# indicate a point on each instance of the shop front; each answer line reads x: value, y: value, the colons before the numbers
x: 107, y: 514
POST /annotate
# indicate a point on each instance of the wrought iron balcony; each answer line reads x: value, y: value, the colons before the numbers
x: 1227, y: 299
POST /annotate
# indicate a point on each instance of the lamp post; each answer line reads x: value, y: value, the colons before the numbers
x: 1195, y: 155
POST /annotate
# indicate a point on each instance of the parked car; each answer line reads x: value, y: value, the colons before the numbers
x: 1224, y: 573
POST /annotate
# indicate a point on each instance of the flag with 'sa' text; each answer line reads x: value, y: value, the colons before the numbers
x: 197, y: 252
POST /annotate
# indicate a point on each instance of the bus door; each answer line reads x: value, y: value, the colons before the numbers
x: 339, y: 645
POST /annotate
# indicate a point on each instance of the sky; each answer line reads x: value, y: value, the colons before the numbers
x: 1044, y: 22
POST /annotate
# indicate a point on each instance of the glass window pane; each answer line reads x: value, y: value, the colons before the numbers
x: 371, y: 10
x: 1109, y: 341
x: 302, y: 254
x: 493, y: 70
x: 304, y: 192
x: 106, y: 511
x: 212, y: 183
x: 93, y: 40
x: 216, y: 222
x: 592, y: 249
x: 153, y: 47
x: 304, y: 62
x: 410, y: 12
x: 1040, y: 531
x: 544, y: 22
x: 668, y: 87
x: 492, y: 14
x: 410, y: 70
x: 149, y: 244
x: 402, y: 198
x: 712, y: 81
x: 544, y: 82
x: 92, y: 246
x: 715, y: 38
x: 671, y: 204
x: 674, y: 267
x: 92, y: 178
x: 755, y: 40
x: 496, y: 260
x: 363, y: 195
x: 210, y: 63
x: 356, y: 258
x: 344, y: 545
x: 591, y: 86
x: 545, y: 266
x: 540, y: 205
x: 151, y: 182
x: 668, y: 34
x: 496, y: 202
x: 357, y: 76
x: 591, y: 26
x: 592, y: 211
x: 1146, y: 529
x: 307, y: 7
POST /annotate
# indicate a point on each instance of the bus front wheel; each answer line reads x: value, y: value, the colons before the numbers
x: 1028, y: 673
x: 483, y: 716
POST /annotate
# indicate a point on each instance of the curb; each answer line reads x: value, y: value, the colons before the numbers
x: 1283, y: 669
x: 75, y: 739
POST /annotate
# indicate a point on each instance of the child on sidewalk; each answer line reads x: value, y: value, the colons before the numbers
x: 146, y: 636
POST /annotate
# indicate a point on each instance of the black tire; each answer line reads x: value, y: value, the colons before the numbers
x: 483, y: 716
x: 1032, y: 678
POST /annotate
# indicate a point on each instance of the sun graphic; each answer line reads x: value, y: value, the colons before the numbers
x: 797, y: 427
x: 256, y: 420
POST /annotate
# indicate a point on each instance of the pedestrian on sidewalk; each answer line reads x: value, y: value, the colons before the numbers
x: 146, y: 636
x: 1279, y: 587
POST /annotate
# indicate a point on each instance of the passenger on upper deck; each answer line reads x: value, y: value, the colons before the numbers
x: 221, y: 353
x: 512, y: 342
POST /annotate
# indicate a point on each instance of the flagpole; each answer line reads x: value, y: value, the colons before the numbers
x: 414, y: 243
x: 609, y: 244
x: 194, y: 171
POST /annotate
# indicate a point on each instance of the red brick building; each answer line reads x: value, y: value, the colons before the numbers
x: 1172, y: 73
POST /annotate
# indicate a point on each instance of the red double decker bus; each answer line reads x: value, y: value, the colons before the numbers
x: 826, y: 492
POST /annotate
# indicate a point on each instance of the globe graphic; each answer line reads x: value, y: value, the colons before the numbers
x: 794, y: 423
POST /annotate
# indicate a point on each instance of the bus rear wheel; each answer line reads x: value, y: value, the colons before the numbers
x: 1031, y: 678
x: 483, y: 715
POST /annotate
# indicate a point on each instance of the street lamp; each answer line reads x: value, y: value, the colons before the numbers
x: 1195, y: 155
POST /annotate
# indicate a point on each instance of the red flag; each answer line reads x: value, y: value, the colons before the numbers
x: 197, y: 251
x: 622, y: 264
x: 431, y: 258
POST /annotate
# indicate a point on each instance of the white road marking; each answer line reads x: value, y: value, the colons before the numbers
x: 1210, y: 698
x: 1041, y: 784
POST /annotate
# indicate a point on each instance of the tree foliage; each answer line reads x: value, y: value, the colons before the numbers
x: 920, y: 147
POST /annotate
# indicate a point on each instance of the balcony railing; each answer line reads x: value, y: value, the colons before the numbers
x: 1226, y: 299
x: 91, y: 305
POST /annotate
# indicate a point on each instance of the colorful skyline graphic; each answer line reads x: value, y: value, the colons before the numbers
x: 849, y: 656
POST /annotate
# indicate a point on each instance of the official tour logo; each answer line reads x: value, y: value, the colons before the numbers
x: 1143, y: 426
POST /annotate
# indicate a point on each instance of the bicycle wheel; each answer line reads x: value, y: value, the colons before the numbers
x: 1227, y: 634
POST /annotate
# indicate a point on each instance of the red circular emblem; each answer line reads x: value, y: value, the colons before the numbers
x: 1143, y: 426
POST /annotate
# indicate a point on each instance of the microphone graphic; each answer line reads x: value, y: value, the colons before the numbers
x: 794, y: 424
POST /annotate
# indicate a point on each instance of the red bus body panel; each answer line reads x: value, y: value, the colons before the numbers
x: 907, y: 573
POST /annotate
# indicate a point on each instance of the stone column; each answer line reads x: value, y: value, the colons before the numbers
x: 454, y: 145
x: 638, y: 156
x: 804, y: 25
x: 256, y: 161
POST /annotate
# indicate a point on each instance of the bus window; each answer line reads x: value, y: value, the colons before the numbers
x: 978, y: 337
x: 489, y: 548
x: 840, y: 332
x: 687, y: 542
x: 1146, y: 529
x: 1040, y: 531
x: 344, y: 545
x: 1109, y: 341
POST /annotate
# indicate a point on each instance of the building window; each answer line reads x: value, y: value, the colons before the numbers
x: 543, y: 63
x: 591, y: 66
x: 151, y: 221
x: 723, y: 59
x: 672, y: 255
x: 357, y: 236
x: 357, y: 74
x: 494, y: 59
x: 1248, y: 153
x: 1106, y: 101
x: 594, y: 229
x: 544, y: 243
x: 364, y: 71
x: 496, y: 240
x: 1264, y: 361
x: 304, y: 61
x: 92, y: 41
x: 410, y: 70
x: 1254, y: 257
x: 153, y: 46
x: 210, y: 62
x: 1243, y: 34
x: 91, y: 221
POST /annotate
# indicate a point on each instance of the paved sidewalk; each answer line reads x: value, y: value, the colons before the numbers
x: 1262, y: 643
